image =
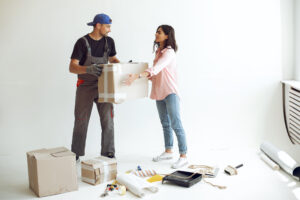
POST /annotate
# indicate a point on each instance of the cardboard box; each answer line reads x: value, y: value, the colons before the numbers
x: 52, y: 171
x: 110, y: 83
x: 98, y: 170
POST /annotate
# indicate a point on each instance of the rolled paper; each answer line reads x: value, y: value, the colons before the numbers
x: 284, y: 160
x: 135, y: 184
x: 267, y: 160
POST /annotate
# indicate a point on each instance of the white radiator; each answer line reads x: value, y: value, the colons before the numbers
x: 291, y: 109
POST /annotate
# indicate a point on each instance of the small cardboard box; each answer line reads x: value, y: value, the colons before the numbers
x: 111, y: 87
x: 98, y: 170
x: 52, y: 171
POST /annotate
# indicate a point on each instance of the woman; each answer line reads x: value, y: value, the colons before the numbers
x: 165, y: 91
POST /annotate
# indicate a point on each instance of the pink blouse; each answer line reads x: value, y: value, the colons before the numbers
x: 164, y: 74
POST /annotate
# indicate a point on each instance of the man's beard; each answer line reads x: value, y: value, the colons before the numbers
x: 104, y: 35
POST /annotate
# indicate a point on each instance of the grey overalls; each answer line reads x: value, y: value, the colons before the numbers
x: 86, y: 94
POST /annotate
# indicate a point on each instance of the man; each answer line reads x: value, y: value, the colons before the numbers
x: 89, y: 52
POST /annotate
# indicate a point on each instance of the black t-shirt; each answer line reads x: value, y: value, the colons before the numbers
x: 97, y: 48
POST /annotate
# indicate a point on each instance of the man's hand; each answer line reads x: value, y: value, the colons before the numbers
x: 94, y: 69
x: 113, y: 59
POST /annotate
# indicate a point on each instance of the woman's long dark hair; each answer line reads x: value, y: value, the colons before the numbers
x: 171, y: 41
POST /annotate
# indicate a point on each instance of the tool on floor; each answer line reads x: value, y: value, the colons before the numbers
x: 105, y: 193
x: 144, y: 172
x: 232, y: 170
x: 183, y: 178
x: 121, y: 189
x: 155, y: 178
x: 210, y: 172
x: 187, y: 179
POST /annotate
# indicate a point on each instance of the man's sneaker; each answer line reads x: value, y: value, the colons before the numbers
x: 180, y: 163
x: 77, y: 159
x: 163, y: 156
x: 110, y: 155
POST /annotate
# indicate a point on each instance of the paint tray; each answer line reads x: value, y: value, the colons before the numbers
x: 182, y: 178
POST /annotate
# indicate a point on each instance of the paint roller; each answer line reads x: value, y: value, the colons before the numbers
x: 232, y: 170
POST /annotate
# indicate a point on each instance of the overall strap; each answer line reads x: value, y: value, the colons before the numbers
x: 106, y: 45
x: 88, y: 46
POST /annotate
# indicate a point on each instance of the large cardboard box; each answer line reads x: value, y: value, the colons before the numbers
x: 52, y: 171
x: 98, y: 170
x: 111, y: 87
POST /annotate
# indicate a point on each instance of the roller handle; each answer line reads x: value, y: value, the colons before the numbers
x: 241, y: 165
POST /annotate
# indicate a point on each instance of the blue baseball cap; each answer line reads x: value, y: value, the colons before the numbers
x: 101, y: 19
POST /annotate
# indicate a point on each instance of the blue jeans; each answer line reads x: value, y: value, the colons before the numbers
x: 168, y: 110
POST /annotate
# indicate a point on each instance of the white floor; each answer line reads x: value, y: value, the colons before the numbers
x: 255, y: 180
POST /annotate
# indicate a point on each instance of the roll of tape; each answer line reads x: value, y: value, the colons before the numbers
x: 122, y: 190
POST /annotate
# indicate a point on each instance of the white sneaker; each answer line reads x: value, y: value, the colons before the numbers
x: 163, y: 156
x: 180, y: 163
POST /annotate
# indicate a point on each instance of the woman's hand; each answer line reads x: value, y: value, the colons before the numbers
x: 131, y: 78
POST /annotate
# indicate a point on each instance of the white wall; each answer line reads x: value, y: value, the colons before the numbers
x: 229, y: 58
x: 288, y: 38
